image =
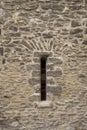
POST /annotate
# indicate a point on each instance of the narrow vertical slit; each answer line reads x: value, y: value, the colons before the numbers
x: 0, y: 31
x: 1, y: 51
x: 43, y: 78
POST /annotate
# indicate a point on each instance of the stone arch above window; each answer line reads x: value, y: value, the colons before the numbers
x: 38, y: 44
x: 28, y: 52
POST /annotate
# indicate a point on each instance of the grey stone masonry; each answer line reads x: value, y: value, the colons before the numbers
x: 30, y: 29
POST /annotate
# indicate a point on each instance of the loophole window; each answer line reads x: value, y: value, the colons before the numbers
x: 43, y: 77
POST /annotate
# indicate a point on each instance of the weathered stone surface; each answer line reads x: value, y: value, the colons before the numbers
x: 85, y: 42
x: 14, y: 124
x: 36, y: 73
x: 1, y: 12
x: 50, y: 81
x: 0, y: 31
x: 13, y: 35
x: 1, y: 51
x: 76, y: 31
x: 45, y: 53
x: 30, y: 6
x: 54, y: 90
x: 75, y: 23
x: 34, y: 81
x: 54, y: 73
x: 47, y: 35
x: 13, y: 28
x: 53, y: 6
x: 86, y: 31
x: 30, y: 29
x: 56, y: 60
x: 45, y: 104
x: 33, y: 67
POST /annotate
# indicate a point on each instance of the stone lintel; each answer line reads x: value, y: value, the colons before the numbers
x: 45, y: 53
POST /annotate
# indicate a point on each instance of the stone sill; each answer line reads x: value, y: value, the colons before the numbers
x: 44, y: 104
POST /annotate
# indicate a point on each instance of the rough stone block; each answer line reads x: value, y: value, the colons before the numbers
x: 13, y: 28
x: 17, y: 34
x: 1, y: 12
x: 76, y: 31
x: 34, y: 81
x: 53, y: 6
x: 54, y: 73
x: 36, y: 73
x: 48, y: 35
x: 44, y: 104
x: 33, y: 67
x: 34, y: 97
x: 30, y: 6
x: 75, y: 23
x: 55, y: 90
x: 56, y: 60
x: 45, y: 53
x: 50, y: 81
x: 85, y: 42
x: 36, y: 60
x: 0, y: 31
x: 24, y: 29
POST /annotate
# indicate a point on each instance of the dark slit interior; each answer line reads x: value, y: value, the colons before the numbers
x: 43, y: 78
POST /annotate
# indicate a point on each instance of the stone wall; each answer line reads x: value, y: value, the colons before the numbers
x: 29, y: 29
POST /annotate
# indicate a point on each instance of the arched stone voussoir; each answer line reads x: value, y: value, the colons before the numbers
x: 38, y: 44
